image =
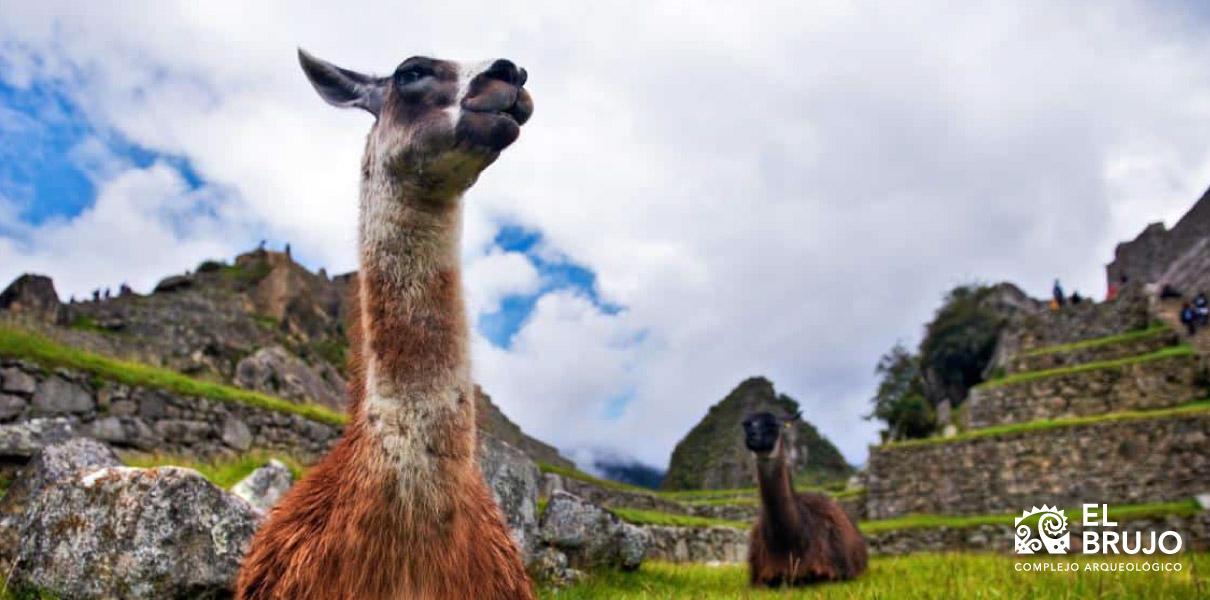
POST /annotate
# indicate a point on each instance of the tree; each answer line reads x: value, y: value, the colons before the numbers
x: 959, y: 343
x: 900, y: 401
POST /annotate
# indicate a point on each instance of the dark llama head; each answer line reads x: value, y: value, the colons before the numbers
x: 763, y: 431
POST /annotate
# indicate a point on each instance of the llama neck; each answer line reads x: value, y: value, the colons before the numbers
x: 778, y: 504
x: 414, y: 335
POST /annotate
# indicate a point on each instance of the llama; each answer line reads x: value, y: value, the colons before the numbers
x: 798, y: 538
x: 398, y: 508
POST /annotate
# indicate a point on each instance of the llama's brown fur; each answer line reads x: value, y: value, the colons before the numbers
x: 398, y: 509
x: 800, y: 538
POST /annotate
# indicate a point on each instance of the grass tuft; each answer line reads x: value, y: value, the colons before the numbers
x: 1181, y: 350
x: 25, y: 345
x: 1129, y: 336
x: 1191, y: 408
x: 224, y: 472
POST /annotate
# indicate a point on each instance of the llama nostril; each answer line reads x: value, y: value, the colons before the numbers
x: 504, y: 70
x: 522, y: 77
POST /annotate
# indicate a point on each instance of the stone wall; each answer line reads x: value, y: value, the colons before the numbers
x: 1149, y: 384
x: 1116, y: 462
x: 1131, y: 347
x: 1076, y: 323
x: 697, y: 544
x: 726, y: 545
x: 1194, y: 531
x: 150, y: 420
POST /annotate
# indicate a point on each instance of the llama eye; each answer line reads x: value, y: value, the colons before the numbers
x: 410, y: 75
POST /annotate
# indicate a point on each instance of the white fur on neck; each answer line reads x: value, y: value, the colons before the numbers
x: 403, y: 415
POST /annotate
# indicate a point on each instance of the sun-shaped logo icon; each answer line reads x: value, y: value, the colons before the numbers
x: 1048, y: 530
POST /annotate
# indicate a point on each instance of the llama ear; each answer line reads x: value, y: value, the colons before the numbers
x: 342, y: 87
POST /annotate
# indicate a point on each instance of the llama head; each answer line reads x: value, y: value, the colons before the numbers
x: 438, y: 122
x: 763, y: 431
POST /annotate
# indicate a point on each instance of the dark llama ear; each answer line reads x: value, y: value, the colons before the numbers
x: 342, y: 87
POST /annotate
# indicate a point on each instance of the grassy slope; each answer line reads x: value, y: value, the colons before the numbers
x: 1172, y: 352
x: 940, y: 576
x: 28, y: 346
x: 1015, y: 428
x: 1129, y: 336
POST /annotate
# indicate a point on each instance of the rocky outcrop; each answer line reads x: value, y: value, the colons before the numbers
x: 34, y: 296
x: 493, y: 422
x: 591, y: 536
x: 266, y: 485
x: 1143, y: 385
x: 712, y: 455
x: 513, y: 479
x: 1126, y: 461
x: 608, y: 497
x: 1146, y: 258
x: 276, y: 372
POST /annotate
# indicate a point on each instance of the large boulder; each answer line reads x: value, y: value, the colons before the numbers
x: 273, y: 370
x: 263, y: 487
x: 591, y: 536
x: 513, y: 479
x: 53, y: 464
x: 35, y: 296
x: 121, y: 532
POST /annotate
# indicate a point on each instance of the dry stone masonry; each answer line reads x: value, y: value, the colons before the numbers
x: 34, y: 400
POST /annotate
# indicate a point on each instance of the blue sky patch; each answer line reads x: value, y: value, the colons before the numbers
x: 559, y: 274
x: 40, y: 169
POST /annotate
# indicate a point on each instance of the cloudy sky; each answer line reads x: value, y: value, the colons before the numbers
x: 704, y: 193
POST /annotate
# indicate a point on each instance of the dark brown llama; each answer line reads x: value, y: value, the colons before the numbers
x: 399, y: 508
x: 799, y: 538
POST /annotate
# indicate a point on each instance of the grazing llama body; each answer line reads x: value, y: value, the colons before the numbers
x: 798, y: 538
x: 399, y: 508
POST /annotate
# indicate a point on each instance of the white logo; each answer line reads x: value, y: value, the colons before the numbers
x: 1048, y: 531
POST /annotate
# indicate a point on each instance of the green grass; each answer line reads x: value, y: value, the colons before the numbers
x: 25, y: 345
x: 1128, y: 512
x: 925, y: 576
x: 86, y: 323
x: 1043, y: 424
x: 1129, y: 336
x: 652, y: 517
x: 1171, y: 352
x: 221, y: 472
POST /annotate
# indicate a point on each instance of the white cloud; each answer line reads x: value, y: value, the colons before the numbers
x: 775, y: 189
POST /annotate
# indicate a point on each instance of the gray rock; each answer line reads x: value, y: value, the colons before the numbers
x: 34, y: 295
x: 1203, y: 500
x: 513, y: 479
x: 57, y: 396
x: 134, y: 533
x: 11, y: 406
x: 236, y: 434
x: 274, y: 370
x: 263, y: 487
x: 26, y: 438
x: 549, y: 566
x: 54, y: 463
x: 109, y: 429
x: 17, y: 381
x: 591, y: 536
x: 123, y: 408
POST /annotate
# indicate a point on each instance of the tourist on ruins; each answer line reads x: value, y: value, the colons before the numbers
x: 1115, y: 288
x: 1189, y: 319
x: 1060, y: 299
x: 1201, y: 308
x: 1076, y: 298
